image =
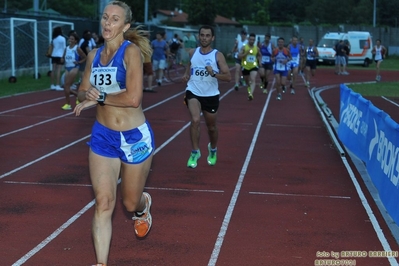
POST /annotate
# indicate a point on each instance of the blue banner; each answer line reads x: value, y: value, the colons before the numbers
x: 373, y: 136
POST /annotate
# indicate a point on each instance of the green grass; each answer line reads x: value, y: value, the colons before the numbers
x: 24, y: 84
x: 388, y: 89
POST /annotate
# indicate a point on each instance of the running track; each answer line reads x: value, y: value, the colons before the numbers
x: 279, y: 194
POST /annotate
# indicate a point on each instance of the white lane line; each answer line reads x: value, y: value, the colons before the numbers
x: 43, y: 157
x: 233, y: 200
x: 33, y: 125
x: 46, y: 184
x: 373, y: 219
x: 386, y: 99
x: 363, y: 199
x: 75, y: 142
x: 298, y: 195
x: 42, y: 244
x: 89, y: 185
x: 31, y: 105
x: 71, y: 113
x: 58, y: 231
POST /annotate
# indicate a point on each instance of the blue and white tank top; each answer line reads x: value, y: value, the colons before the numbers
x: 295, y: 53
x: 280, y: 56
x: 266, y: 51
x: 71, y: 56
x: 310, y: 53
x: 201, y: 83
x: 378, y: 53
x: 111, y: 77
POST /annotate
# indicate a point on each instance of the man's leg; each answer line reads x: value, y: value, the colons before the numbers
x: 194, y: 108
x: 237, y: 76
x: 213, y: 133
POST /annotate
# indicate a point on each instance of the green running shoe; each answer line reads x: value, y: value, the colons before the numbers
x: 194, y: 156
x: 212, y: 157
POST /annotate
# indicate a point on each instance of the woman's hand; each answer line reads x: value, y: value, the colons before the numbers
x: 83, y: 105
x: 92, y: 94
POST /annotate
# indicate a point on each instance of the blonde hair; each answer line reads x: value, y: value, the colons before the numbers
x: 135, y: 35
x: 138, y: 36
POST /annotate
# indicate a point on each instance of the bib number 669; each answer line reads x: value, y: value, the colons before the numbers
x: 201, y: 73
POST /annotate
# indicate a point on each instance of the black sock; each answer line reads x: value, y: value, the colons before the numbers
x: 139, y: 214
x: 266, y: 83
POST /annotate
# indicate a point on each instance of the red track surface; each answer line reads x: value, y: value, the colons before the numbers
x: 279, y: 185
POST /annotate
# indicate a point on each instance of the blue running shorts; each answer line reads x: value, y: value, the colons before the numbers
x: 132, y: 146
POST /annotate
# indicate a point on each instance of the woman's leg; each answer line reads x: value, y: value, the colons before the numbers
x: 104, y: 174
x: 134, y: 177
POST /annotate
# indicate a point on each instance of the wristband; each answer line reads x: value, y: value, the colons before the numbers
x: 214, y: 74
x: 101, y: 98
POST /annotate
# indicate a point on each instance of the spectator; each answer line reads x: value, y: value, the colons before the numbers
x: 92, y: 43
x: 189, y: 41
x: 57, y: 60
x: 160, y: 50
x: 86, y: 44
x: 347, y: 51
x: 147, y: 69
x: 340, y: 61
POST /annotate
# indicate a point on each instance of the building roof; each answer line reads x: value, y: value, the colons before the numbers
x: 182, y: 17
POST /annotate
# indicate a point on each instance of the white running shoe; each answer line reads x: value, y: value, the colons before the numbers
x: 143, y: 223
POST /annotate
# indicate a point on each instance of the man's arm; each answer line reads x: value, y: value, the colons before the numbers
x: 242, y: 53
x: 224, y: 71
x: 186, y: 75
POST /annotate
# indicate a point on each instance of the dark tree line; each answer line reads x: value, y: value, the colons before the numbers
x: 261, y: 12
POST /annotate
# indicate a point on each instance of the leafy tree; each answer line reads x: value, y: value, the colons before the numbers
x: 362, y: 13
x: 201, y: 12
x: 263, y: 15
x: 79, y: 8
x: 284, y: 11
x: 387, y: 12
x: 260, y: 12
x: 226, y: 8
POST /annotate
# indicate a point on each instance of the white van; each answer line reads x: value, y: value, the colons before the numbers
x: 326, y: 46
x: 361, y: 44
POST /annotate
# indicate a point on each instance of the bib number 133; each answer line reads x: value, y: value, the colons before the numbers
x: 102, y: 79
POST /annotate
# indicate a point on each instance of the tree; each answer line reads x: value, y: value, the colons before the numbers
x: 263, y: 15
x: 201, y: 12
x: 387, y: 13
x: 362, y: 13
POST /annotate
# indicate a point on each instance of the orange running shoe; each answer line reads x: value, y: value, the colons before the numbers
x: 142, y: 224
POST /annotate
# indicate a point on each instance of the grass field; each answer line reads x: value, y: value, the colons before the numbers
x: 24, y: 84
x: 28, y: 83
x: 388, y: 89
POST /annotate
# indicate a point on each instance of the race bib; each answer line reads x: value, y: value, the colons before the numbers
x: 280, y: 65
x: 251, y: 59
x: 200, y: 73
x: 104, y: 79
x: 265, y: 59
